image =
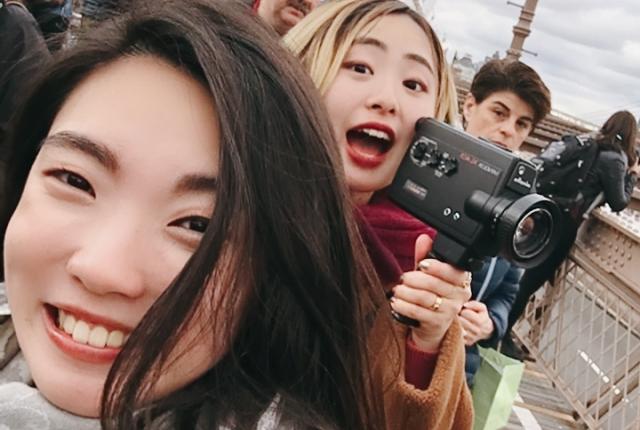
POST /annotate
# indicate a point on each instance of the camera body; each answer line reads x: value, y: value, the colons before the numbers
x: 477, y: 195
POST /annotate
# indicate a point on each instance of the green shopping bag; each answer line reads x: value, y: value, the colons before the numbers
x: 495, y: 388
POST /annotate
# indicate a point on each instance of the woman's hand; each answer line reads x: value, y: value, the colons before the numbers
x: 476, y: 322
x: 433, y: 295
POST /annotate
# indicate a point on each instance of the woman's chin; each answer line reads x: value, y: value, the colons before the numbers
x: 76, y: 406
x: 81, y: 398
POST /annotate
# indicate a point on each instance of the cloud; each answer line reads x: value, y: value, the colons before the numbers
x: 588, y: 51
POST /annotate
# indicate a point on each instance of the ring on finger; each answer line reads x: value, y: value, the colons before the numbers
x: 436, y: 305
x: 467, y: 282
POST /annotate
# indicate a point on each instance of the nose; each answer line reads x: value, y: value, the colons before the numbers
x: 384, y: 98
x: 508, y: 128
x: 108, y: 260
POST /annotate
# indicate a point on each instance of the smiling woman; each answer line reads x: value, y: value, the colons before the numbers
x: 157, y: 259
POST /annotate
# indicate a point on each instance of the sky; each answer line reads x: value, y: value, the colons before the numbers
x: 588, y: 51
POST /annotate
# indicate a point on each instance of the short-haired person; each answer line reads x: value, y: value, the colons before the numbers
x: 614, y: 173
x: 380, y: 67
x: 282, y: 15
x: 173, y: 258
x: 506, y: 100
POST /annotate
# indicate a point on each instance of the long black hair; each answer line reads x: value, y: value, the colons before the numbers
x: 618, y: 133
x: 281, y: 240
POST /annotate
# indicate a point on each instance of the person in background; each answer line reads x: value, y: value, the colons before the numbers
x: 53, y: 17
x: 173, y: 258
x: 380, y: 67
x: 505, y: 102
x: 22, y: 52
x: 614, y: 173
x: 282, y: 15
x: 95, y: 11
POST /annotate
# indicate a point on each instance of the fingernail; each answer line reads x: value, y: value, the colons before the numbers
x: 424, y: 265
x: 389, y: 294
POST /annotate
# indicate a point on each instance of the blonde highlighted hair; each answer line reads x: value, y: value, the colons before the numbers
x: 323, y: 39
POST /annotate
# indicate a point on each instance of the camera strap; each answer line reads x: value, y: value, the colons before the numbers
x: 487, y: 279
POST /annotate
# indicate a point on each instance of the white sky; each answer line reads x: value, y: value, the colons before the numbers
x: 588, y: 50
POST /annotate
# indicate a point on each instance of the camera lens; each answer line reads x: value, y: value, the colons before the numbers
x: 526, y: 230
x: 532, y: 233
x: 521, y: 230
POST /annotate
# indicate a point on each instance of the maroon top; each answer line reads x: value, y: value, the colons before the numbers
x: 389, y: 234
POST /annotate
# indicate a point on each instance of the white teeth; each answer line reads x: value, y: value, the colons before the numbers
x: 69, y: 324
x: 83, y: 332
x: 98, y: 336
x: 116, y: 339
x: 379, y: 134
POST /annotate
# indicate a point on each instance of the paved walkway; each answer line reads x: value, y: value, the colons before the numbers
x: 541, y: 406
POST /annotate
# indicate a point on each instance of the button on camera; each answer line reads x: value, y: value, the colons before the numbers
x: 425, y: 153
x: 448, y: 164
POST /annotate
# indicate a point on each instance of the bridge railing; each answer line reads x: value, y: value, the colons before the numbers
x: 584, y: 328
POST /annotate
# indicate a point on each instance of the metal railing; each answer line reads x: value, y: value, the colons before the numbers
x: 584, y: 328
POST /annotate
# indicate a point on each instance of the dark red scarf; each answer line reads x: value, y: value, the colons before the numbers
x: 390, y: 235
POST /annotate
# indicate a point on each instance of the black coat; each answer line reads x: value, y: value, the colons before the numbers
x: 609, y: 175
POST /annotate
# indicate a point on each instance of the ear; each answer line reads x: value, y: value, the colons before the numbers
x: 468, y: 106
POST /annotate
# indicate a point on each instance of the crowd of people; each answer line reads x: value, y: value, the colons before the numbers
x: 196, y: 227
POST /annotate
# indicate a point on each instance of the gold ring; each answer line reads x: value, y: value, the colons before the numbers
x: 467, y: 282
x: 436, y: 305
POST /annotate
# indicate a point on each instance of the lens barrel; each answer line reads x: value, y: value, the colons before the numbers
x: 525, y: 228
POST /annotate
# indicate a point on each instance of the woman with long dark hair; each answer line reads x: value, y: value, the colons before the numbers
x: 178, y: 250
x: 614, y: 174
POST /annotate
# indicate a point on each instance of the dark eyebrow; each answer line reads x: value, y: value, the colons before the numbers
x: 78, y: 142
x: 379, y: 44
x: 196, y: 183
x: 505, y: 107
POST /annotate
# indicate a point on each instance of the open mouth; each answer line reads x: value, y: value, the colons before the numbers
x: 85, y: 332
x: 368, y: 145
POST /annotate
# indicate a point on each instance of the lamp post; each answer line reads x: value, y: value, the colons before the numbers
x: 522, y: 29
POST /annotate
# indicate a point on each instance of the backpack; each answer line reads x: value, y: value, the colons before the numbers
x: 562, y: 169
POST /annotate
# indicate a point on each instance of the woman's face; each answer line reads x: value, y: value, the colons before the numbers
x: 387, y: 81
x: 113, y: 207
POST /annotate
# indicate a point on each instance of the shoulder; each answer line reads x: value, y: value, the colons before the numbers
x: 609, y: 157
x: 17, y: 13
x: 17, y: 27
x: 22, y: 406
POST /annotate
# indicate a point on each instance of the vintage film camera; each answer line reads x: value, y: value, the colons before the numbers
x: 477, y: 195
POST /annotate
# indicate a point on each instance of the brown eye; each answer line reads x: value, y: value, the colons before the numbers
x: 360, y: 68
x: 197, y: 224
x: 414, y: 85
x: 74, y: 180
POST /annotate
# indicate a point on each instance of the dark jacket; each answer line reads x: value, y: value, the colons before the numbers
x: 609, y: 175
x: 22, y: 50
x: 498, y: 296
x: 99, y: 10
